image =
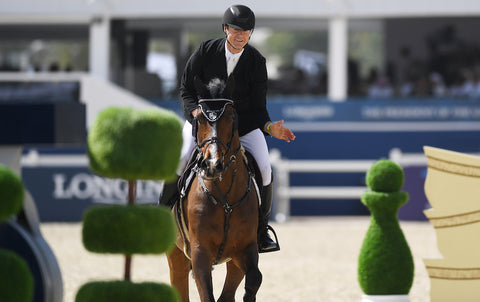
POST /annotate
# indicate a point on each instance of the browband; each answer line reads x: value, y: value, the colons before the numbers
x: 213, y: 109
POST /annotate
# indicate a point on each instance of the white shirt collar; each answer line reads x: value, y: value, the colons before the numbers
x: 230, y: 55
x: 232, y: 59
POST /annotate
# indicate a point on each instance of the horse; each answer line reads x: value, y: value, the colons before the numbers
x: 218, y: 216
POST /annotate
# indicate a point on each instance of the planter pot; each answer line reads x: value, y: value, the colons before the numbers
x: 457, y: 236
x: 385, y: 298
x: 452, y: 281
x: 452, y: 185
x: 452, y: 188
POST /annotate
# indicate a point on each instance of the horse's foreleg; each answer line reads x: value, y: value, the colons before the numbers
x: 253, y: 276
x: 233, y: 279
x: 179, y: 269
x: 202, y: 271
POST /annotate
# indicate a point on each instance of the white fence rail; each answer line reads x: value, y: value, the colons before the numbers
x: 284, y: 192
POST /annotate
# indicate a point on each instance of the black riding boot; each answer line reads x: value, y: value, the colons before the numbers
x: 265, y: 242
x: 170, y: 194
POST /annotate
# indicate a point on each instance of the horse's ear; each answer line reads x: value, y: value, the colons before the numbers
x: 230, y: 87
x: 200, y: 88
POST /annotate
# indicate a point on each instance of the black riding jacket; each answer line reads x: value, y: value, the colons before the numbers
x: 250, y: 82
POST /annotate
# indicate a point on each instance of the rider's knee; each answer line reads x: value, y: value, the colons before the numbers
x: 266, y: 171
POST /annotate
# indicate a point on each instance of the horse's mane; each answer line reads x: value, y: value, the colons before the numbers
x: 216, y: 88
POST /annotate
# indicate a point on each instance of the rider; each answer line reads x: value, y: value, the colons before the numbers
x: 223, y: 58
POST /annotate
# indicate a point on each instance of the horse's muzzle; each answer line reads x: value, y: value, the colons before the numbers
x: 212, y: 167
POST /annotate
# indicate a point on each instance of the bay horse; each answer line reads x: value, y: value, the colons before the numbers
x: 218, y: 216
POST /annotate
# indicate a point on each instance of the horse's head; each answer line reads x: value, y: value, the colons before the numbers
x: 215, y: 132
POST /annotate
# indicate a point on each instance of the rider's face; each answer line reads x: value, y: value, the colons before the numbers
x: 237, y: 38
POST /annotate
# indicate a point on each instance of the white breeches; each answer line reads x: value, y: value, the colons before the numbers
x: 254, y: 142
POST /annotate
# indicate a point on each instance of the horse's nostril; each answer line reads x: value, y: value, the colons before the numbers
x: 209, y: 165
x: 219, y: 166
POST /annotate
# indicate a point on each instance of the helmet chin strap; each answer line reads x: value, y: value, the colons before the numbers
x: 232, y: 45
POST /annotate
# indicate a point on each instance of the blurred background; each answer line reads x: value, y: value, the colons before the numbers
x: 355, y: 80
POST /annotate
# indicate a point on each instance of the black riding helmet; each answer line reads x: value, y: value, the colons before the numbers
x: 239, y: 17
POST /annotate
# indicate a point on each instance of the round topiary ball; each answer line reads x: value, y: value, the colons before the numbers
x: 132, y: 229
x: 135, y: 144
x: 16, y: 281
x: 125, y: 291
x: 385, y: 176
x: 11, y: 193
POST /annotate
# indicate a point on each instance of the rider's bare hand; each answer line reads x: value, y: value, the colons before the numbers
x: 278, y: 130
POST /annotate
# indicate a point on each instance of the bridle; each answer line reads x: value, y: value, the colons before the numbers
x: 212, y: 110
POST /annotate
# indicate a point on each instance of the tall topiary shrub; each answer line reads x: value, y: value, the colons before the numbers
x: 385, y: 265
x: 16, y: 280
x: 131, y: 144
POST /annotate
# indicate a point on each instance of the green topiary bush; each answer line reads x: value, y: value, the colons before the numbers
x: 385, y: 176
x: 123, y: 291
x: 11, y: 193
x: 131, y: 144
x: 385, y: 265
x: 128, y: 230
x: 16, y: 281
x: 135, y: 144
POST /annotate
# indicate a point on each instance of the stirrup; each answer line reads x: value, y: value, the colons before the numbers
x: 277, y: 248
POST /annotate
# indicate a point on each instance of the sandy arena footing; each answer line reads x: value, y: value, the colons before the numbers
x: 317, y: 261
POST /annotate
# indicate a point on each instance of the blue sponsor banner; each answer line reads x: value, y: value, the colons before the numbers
x: 406, y: 110
x: 298, y: 109
x: 369, y: 129
x: 64, y: 193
